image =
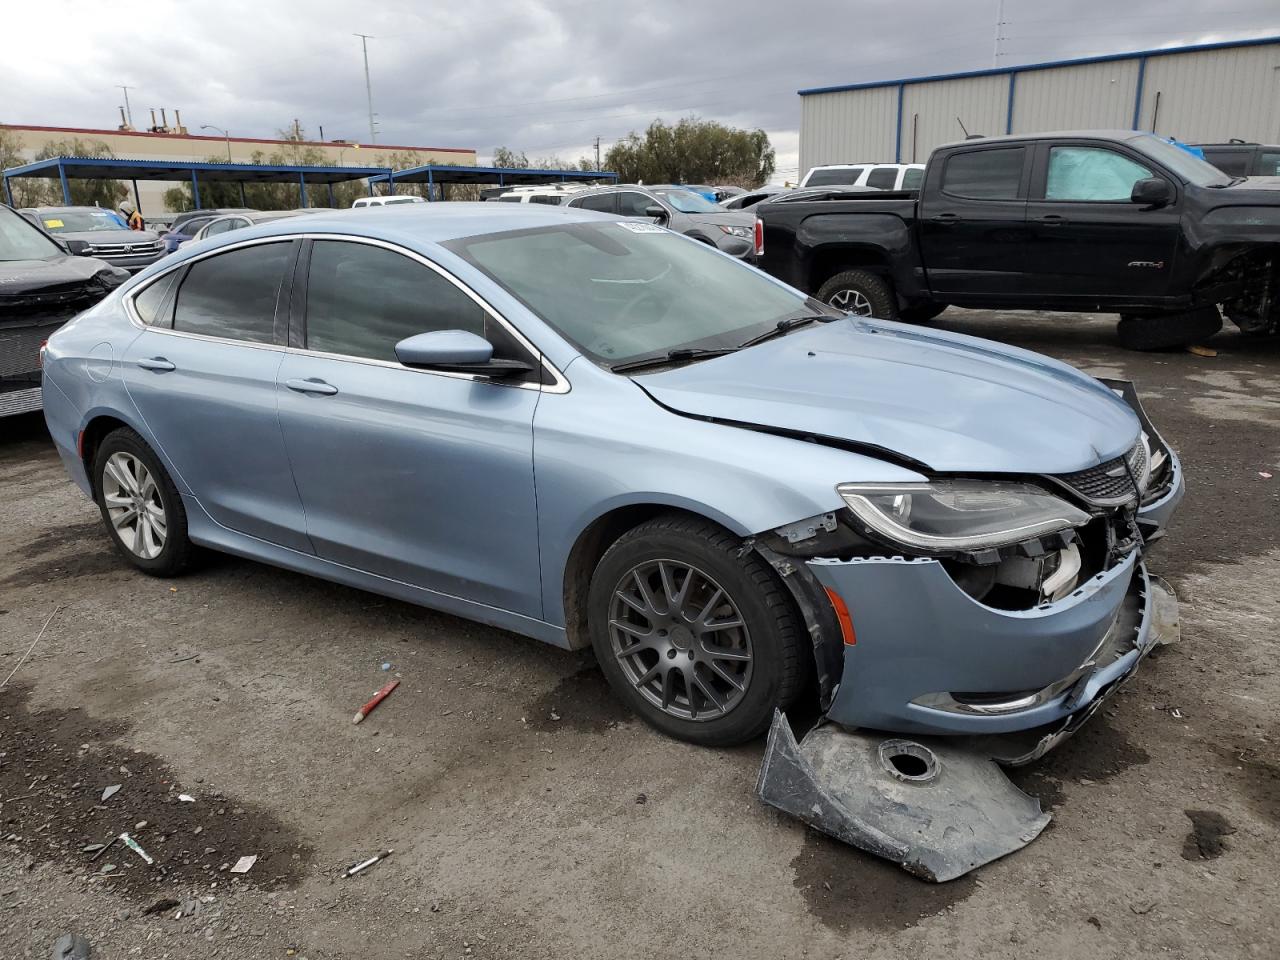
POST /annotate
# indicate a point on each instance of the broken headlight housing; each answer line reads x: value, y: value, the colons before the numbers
x: 953, y: 516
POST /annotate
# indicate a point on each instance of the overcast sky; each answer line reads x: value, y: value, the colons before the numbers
x: 542, y: 76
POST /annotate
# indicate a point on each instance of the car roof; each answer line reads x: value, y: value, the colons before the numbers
x: 1055, y: 135
x: 69, y: 209
x: 419, y: 222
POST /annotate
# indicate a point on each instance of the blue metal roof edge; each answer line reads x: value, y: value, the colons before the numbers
x: 1046, y: 65
x: 29, y: 169
x: 506, y: 171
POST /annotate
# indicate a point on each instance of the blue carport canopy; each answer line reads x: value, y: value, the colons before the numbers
x: 111, y: 168
x: 437, y: 173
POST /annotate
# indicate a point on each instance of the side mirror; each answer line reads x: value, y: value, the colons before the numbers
x: 77, y: 248
x: 456, y: 351
x: 1152, y: 193
x: 657, y: 212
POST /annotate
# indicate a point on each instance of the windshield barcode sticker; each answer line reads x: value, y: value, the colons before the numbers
x: 640, y: 226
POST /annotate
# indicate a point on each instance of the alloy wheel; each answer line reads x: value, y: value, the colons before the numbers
x: 851, y: 300
x: 132, y: 499
x: 681, y: 640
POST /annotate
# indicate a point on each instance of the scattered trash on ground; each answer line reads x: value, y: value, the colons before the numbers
x: 110, y: 792
x: 1264, y: 475
x: 132, y: 844
x: 386, y: 666
x: 244, y: 864
x: 1200, y: 351
x: 103, y: 848
x: 186, y: 798
x: 377, y: 699
x: 71, y: 946
x: 366, y: 864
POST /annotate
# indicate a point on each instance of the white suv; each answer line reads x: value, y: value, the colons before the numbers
x: 385, y: 201
x: 877, y: 176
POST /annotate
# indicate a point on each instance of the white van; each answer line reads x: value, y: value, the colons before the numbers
x: 385, y: 201
x: 553, y: 193
x: 877, y: 176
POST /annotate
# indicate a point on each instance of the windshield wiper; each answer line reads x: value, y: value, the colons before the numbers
x: 672, y: 358
x: 785, y: 326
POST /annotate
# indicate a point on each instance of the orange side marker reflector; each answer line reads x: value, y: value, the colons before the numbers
x: 842, y: 615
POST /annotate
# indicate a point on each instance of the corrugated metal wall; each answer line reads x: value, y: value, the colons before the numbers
x: 848, y: 126
x: 1093, y: 95
x: 1215, y: 95
x: 930, y: 112
x: 1205, y: 95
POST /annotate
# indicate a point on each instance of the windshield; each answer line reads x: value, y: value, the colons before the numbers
x: 1186, y: 165
x: 19, y: 240
x: 622, y: 290
x: 80, y: 221
x: 686, y: 201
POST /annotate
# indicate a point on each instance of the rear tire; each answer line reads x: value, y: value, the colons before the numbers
x: 1165, y: 331
x: 861, y: 293
x: 141, y: 507
x: 653, y: 596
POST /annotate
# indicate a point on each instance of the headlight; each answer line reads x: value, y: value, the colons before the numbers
x: 951, y: 515
x: 743, y: 232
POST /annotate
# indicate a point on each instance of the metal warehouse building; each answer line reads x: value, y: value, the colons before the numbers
x: 1204, y: 93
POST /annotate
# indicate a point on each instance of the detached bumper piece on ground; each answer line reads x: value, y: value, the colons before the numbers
x: 939, y: 806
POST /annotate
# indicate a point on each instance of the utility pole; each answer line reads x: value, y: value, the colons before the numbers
x: 368, y: 88
x: 128, y: 112
x: 995, y: 56
x: 597, y: 153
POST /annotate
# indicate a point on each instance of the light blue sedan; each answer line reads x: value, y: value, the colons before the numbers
x: 592, y: 431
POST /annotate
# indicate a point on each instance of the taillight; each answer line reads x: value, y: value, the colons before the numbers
x: 40, y: 354
x: 759, y: 238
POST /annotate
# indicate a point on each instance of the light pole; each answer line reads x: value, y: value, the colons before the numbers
x: 368, y: 88
x: 225, y: 135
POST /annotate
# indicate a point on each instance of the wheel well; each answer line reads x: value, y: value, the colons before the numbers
x: 598, y: 537
x: 828, y: 261
x: 90, y: 439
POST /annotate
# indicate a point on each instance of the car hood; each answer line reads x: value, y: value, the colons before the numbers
x: 54, y: 282
x: 728, y: 218
x: 134, y: 237
x: 949, y: 402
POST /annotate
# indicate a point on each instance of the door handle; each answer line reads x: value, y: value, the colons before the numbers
x: 946, y: 219
x: 312, y: 386
x: 1051, y: 220
x: 159, y: 364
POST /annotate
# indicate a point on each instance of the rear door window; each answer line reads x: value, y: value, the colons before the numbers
x: 984, y: 174
x: 154, y: 303
x: 233, y: 295
x: 911, y: 178
x: 883, y: 178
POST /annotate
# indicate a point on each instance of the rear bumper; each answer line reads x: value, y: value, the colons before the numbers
x: 929, y: 659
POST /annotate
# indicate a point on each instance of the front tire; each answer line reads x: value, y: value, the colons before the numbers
x: 861, y: 293
x: 1165, y: 331
x: 140, y: 505
x: 697, y: 637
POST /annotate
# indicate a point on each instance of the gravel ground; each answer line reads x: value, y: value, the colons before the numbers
x: 531, y: 817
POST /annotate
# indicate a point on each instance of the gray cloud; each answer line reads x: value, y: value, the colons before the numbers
x: 544, y: 77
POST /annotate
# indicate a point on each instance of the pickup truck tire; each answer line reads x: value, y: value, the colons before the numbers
x: 860, y: 292
x: 921, y: 314
x: 1163, y: 331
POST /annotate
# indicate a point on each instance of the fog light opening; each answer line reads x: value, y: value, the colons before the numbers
x: 908, y: 761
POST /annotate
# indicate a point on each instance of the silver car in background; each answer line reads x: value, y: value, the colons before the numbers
x: 683, y: 211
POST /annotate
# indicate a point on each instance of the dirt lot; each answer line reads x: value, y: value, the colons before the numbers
x: 530, y: 817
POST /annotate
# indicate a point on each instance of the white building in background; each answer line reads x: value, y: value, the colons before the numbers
x: 1205, y: 93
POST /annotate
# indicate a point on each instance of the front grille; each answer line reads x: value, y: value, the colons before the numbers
x: 1110, y: 483
x: 20, y: 347
x: 109, y: 250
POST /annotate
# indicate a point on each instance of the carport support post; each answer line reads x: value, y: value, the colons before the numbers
x: 332, y: 202
x: 302, y: 189
x: 195, y: 188
x: 431, y: 184
x: 391, y: 183
x: 66, y: 190
x: 8, y: 192
x: 137, y: 200
x: 243, y: 201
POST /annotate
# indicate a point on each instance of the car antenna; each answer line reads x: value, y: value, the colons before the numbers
x: 962, y: 129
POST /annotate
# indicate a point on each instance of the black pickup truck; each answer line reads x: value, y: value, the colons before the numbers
x: 1098, y: 221
x: 42, y: 286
